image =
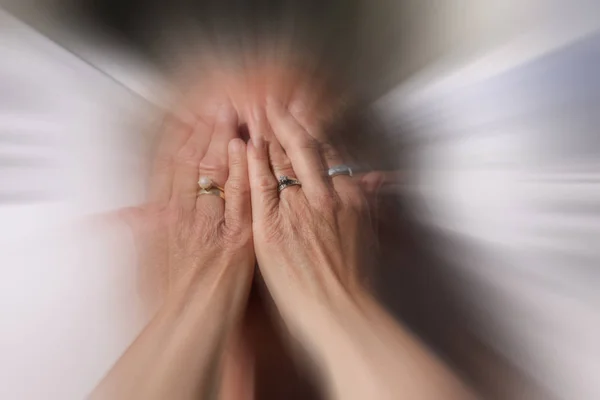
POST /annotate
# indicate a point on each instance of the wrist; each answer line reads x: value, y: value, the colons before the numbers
x: 340, y: 339
x: 328, y: 321
x: 215, y: 295
x: 360, y: 342
x: 225, y: 279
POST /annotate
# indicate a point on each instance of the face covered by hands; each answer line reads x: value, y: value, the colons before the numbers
x: 310, y: 241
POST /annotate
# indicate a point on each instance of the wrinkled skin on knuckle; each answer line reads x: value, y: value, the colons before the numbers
x: 286, y: 166
x: 264, y: 183
x: 210, y: 167
x: 238, y: 187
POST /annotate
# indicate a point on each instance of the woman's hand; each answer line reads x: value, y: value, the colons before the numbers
x: 207, y: 235
x: 204, y: 255
x: 311, y: 243
x: 180, y: 234
x: 312, y: 240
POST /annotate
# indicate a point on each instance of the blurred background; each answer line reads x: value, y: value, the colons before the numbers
x: 484, y: 113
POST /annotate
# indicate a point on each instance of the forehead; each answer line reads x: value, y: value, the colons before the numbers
x: 249, y: 84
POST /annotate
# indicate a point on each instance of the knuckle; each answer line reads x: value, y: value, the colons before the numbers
x: 260, y: 155
x: 211, y: 166
x: 283, y: 166
x: 237, y: 186
x: 235, y: 162
x: 265, y: 183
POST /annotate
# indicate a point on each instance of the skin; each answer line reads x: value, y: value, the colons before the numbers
x: 203, y: 252
x: 311, y: 243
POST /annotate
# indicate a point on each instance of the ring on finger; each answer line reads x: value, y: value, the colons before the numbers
x: 341, y: 169
x: 285, y: 181
x: 207, y: 186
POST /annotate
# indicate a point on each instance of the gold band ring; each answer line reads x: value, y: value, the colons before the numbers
x: 207, y: 186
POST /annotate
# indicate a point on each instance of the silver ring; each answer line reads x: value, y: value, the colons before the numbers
x: 285, y: 182
x: 341, y: 169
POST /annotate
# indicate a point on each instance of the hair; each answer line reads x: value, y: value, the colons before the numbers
x: 327, y: 30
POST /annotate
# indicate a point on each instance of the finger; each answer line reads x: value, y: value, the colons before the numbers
x: 302, y: 150
x: 174, y: 137
x: 343, y: 184
x: 263, y: 185
x: 237, y: 206
x: 185, y: 181
x: 280, y: 163
x: 214, y: 165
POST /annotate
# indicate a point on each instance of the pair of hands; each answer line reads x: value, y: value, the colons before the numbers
x: 309, y: 241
